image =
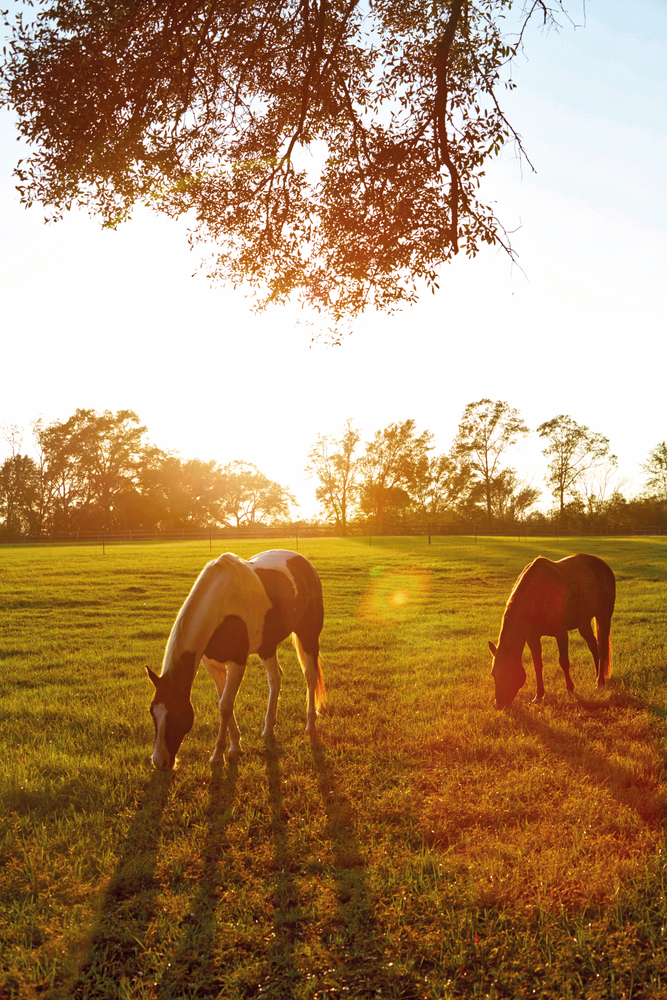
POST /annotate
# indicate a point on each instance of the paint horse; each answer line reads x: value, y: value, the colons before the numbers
x: 237, y: 607
x: 552, y: 598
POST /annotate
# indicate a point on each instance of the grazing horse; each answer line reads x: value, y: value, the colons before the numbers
x: 552, y: 598
x: 237, y: 607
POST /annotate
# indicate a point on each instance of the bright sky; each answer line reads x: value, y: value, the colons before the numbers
x: 108, y: 320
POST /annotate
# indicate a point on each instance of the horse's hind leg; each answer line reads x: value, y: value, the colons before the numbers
x: 274, y: 674
x: 588, y: 635
x: 310, y: 671
x: 564, y: 659
x: 306, y: 642
x: 604, y: 645
x: 312, y: 675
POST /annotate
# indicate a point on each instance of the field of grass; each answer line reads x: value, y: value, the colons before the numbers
x: 425, y: 846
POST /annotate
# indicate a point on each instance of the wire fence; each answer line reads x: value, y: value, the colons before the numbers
x: 300, y: 530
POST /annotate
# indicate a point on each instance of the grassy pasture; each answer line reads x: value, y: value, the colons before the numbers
x: 425, y: 846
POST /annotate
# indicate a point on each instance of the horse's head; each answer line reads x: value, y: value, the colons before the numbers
x: 173, y: 716
x: 508, y: 675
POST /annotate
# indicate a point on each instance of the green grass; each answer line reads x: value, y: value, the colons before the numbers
x: 426, y: 846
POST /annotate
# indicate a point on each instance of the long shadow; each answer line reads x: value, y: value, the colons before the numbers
x: 125, y: 908
x: 194, y: 957
x: 360, y: 966
x: 620, y: 699
x: 287, y: 922
x: 620, y: 781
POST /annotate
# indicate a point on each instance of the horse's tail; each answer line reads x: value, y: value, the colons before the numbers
x: 320, y: 689
x: 604, y: 647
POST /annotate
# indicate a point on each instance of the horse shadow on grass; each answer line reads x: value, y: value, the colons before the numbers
x: 110, y: 951
x: 622, y: 782
x: 358, y: 962
x: 194, y: 961
x: 354, y: 965
x: 281, y: 969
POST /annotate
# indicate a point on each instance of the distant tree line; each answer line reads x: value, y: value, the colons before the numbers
x: 97, y: 470
x: 397, y: 479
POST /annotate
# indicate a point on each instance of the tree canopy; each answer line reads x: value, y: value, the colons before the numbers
x: 655, y: 469
x: 487, y: 430
x: 572, y: 450
x: 329, y: 151
x: 332, y: 463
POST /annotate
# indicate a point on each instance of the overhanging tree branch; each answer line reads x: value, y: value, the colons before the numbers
x: 209, y: 108
x: 442, y: 58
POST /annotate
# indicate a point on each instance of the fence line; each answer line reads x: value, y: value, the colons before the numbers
x: 297, y: 530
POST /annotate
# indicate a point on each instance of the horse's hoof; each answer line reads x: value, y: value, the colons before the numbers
x: 235, y: 751
x: 216, y: 759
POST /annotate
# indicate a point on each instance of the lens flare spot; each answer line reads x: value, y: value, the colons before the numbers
x: 399, y: 598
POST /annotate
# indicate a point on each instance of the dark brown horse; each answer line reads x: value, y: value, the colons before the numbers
x: 237, y: 607
x: 552, y: 598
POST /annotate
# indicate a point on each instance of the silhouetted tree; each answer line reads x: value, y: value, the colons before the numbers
x: 655, y: 469
x: 251, y: 498
x: 63, y: 481
x: 388, y: 467
x: 18, y: 491
x: 486, y: 431
x: 437, y: 485
x: 332, y: 462
x: 512, y: 498
x: 180, y: 494
x: 87, y: 462
x: 573, y: 450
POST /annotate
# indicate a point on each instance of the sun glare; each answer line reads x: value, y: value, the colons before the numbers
x: 392, y: 596
x: 399, y: 597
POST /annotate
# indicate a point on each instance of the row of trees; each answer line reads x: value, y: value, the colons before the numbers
x: 397, y: 474
x: 397, y: 477
x: 99, y: 470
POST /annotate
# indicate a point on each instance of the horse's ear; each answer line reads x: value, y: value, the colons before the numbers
x: 493, y: 648
x: 152, y: 676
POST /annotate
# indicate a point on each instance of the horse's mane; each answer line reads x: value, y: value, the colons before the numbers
x: 510, y: 599
x: 180, y: 637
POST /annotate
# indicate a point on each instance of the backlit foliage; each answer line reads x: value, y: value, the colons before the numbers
x: 327, y: 151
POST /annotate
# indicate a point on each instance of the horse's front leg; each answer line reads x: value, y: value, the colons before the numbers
x: 564, y: 659
x: 535, y: 647
x: 274, y: 675
x: 227, y: 682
